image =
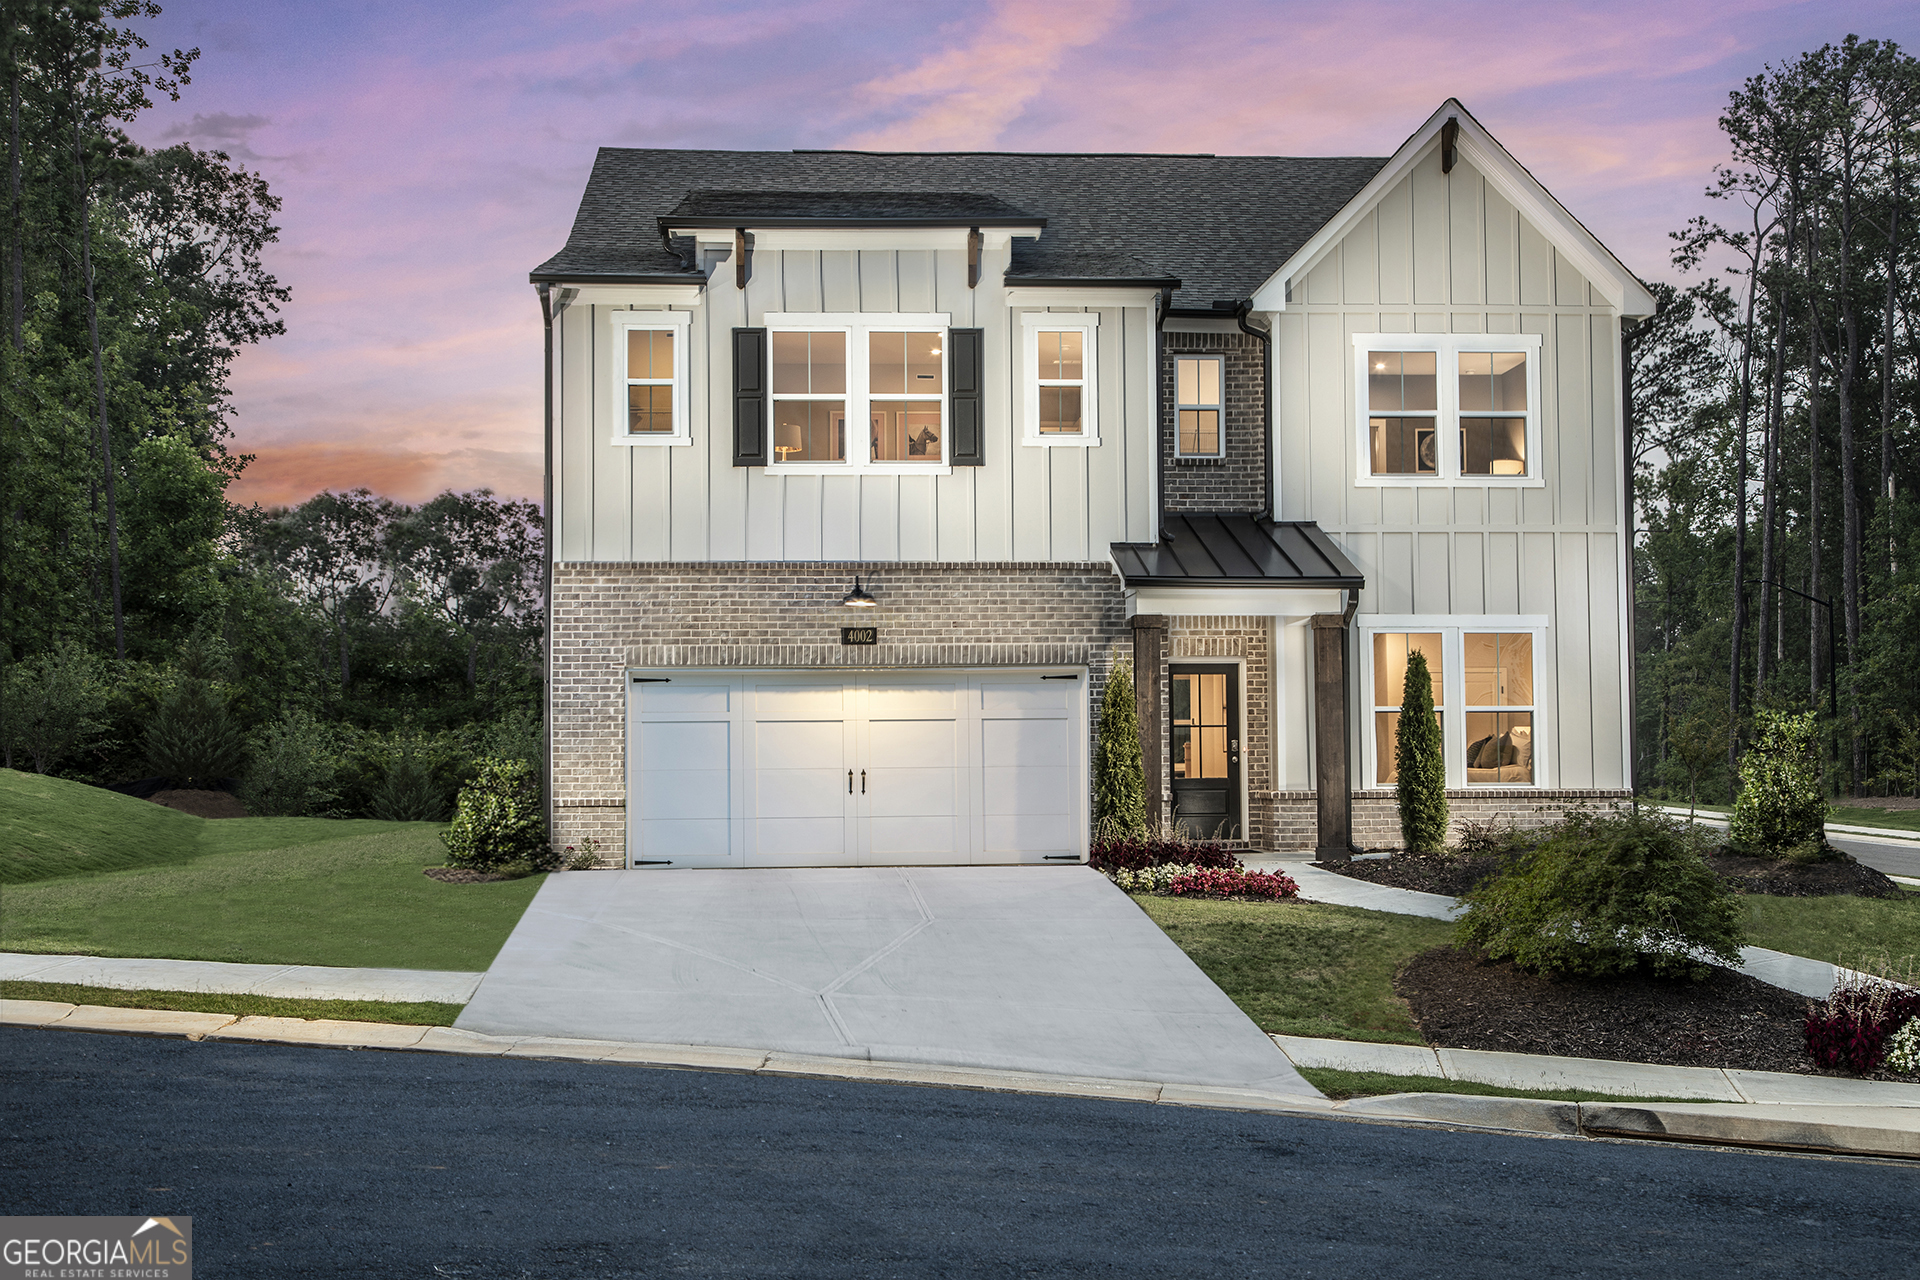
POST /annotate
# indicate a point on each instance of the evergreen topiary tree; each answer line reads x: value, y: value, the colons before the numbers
x: 1119, y: 791
x: 191, y: 740
x: 1782, y: 807
x: 1420, y: 762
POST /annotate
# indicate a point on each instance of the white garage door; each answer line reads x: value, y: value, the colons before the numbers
x: 886, y: 769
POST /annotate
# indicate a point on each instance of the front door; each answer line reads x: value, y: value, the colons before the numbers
x: 1204, y: 724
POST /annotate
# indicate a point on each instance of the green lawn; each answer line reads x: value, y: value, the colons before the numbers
x: 102, y: 874
x: 422, y: 1014
x: 1838, y: 929
x: 1369, y: 1084
x: 1303, y: 969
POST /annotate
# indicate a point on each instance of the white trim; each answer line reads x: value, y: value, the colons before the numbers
x: 1087, y: 324
x: 1236, y: 602
x: 1453, y: 719
x: 635, y: 295
x: 1019, y: 295
x: 1240, y: 700
x: 885, y: 321
x: 858, y: 397
x: 1218, y: 406
x: 1447, y: 347
x: 878, y: 236
x: 681, y: 324
x: 1619, y: 286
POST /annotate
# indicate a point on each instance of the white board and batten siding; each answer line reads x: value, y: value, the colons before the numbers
x: 626, y: 503
x: 1445, y: 253
x: 882, y: 768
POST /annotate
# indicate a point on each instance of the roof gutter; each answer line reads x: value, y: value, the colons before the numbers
x: 550, y: 310
x: 1159, y: 412
x: 1265, y: 338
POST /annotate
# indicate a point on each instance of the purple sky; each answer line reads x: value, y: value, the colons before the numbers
x: 430, y: 154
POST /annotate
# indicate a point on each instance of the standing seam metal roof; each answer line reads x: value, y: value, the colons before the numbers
x: 1198, y: 550
x: 1219, y: 224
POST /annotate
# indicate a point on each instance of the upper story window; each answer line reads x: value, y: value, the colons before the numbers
x: 1061, y: 387
x: 650, y: 376
x: 862, y: 392
x: 1200, y: 407
x: 1459, y: 408
x: 1484, y: 667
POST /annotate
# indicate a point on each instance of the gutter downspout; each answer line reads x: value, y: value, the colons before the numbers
x: 1630, y: 336
x: 549, y: 312
x: 1346, y: 705
x: 1265, y: 338
x: 1159, y: 414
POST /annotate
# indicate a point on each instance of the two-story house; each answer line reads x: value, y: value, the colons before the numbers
x: 866, y: 469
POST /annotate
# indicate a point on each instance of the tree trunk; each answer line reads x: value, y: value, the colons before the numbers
x: 100, y: 390
x: 1738, y: 642
x: 1770, y: 450
x: 1814, y: 621
x: 1849, y: 473
x: 1886, y: 360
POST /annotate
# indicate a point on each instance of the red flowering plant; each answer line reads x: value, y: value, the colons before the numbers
x: 1849, y: 1030
x: 1215, y: 882
x: 1137, y: 853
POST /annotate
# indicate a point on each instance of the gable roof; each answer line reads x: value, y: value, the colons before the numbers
x: 1508, y: 176
x: 1216, y: 225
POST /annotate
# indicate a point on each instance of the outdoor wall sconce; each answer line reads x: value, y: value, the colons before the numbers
x: 857, y: 598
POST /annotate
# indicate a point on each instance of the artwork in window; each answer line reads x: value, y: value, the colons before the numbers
x: 649, y: 410
x: 1386, y: 728
x: 1060, y: 411
x: 1404, y: 446
x: 650, y: 354
x: 1493, y: 446
x: 904, y: 364
x: 1499, y: 668
x: 1402, y: 380
x: 1390, y: 649
x: 1493, y: 382
x: 1500, y: 747
x: 1060, y: 355
x: 1200, y: 431
x: 1197, y: 705
x: 809, y: 364
x: 906, y: 430
x: 809, y: 430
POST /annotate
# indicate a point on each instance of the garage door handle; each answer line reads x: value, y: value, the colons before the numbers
x: 863, y: 782
x: 849, y: 782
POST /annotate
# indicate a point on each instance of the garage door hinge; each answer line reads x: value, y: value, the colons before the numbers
x: 663, y: 863
x: 653, y: 679
x: 1071, y: 677
x: 1062, y: 857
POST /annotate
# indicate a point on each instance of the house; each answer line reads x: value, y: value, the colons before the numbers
x: 865, y: 469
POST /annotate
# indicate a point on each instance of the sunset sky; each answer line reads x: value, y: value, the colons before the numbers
x: 430, y: 154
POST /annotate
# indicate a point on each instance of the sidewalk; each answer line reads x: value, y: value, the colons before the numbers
x: 283, y: 981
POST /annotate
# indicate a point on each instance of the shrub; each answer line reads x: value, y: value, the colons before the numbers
x: 1119, y: 791
x: 498, y: 821
x: 1213, y: 882
x: 1420, y: 762
x: 1492, y: 838
x: 191, y: 740
x: 408, y: 791
x: 1781, y: 810
x: 1146, y: 851
x: 51, y: 705
x: 293, y: 765
x: 1602, y: 892
x: 1854, y: 1027
x: 1903, y: 1051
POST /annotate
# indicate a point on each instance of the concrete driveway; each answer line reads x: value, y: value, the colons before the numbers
x: 1047, y: 969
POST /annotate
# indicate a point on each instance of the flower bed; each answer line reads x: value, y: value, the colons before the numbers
x: 1184, y: 880
x: 1866, y: 1023
x: 1138, y: 854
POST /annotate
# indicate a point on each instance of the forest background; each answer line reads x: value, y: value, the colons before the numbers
x: 356, y: 655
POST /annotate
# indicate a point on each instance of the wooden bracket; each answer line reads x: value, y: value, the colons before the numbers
x: 739, y: 257
x: 973, y: 257
x: 1449, y: 134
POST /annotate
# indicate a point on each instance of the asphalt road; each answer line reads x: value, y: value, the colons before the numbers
x: 1896, y: 858
x: 316, y: 1162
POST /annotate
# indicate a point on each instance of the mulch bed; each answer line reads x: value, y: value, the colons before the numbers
x: 1452, y: 875
x: 202, y: 804
x: 1460, y: 1000
x: 464, y: 875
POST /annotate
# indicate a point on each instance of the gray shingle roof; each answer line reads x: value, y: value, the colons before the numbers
x: 1218, y: 224
x: 767, y: 208
x: 1236, y: 551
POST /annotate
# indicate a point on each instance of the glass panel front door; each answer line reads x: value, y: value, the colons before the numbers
x: 1204, y: 751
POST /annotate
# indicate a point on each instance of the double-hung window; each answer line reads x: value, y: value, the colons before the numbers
x: 650, y: 377
x: 1485, y: 683
x: 863, y: 392
x: 1455, y: 408
x: 1061, y: 377
x: 1198, y: 393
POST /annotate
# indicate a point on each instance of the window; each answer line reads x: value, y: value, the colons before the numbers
x: 1061, y: 386
x: 650, y: 374
x: 833, y: 372
x: 1199, y: 403
x: 1484, y: 667
x: 1449, y: 407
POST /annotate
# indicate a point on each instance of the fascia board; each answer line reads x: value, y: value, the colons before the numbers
x: 1028, y: 296
x: 617, y: 295
x: 1228, y: 602
x: 875, y: 237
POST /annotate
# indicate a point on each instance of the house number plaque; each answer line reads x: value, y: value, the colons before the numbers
x: 859, y: 635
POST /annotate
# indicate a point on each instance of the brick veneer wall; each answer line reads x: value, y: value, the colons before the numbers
x: 1376, y: 815
x: 609, y: 617
x: 1236, y: 482
x: 1196, y: 638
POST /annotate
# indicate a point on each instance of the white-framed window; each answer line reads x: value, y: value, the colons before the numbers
x: 1488, y: 694
x: 1199, y: 388
x: 858, y: 392
x: 1455, y: 408
x: 650, y: 377
x: 1060, y: 383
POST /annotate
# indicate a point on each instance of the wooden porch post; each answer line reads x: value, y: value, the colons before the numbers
x: 1332, y: 785
x: 1149, y: 629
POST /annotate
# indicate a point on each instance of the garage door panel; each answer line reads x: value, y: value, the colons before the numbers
x: 793, y: 702
x: 917, y: 744
x: 1050, y: 695
x: 800, y: 793
x: 786, y: 744
x: 1030, y: 834
x: 906, y: 792
x: 683, y: 841
x: 1043, y: 789
x: 671, y: 698
x: 912, y: 699
x: 893, y: 837
x: 822, y: 838
x: 1024, y: 742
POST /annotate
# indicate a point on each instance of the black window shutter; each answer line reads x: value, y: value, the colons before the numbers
x: 749, y: 397
x: 966, y: 403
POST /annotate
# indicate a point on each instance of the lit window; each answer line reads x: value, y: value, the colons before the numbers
x: 1390, y: 650
x: 1499, y: 707
x: 1448, y: 407
x: 810, y: 396
x: 905, y: 369
x: 1197, y: 392
x: 1401, y: 410
x: 650, y: 376
x: 1486, y: 682
x: 1493, y: 390
x: 1062, y: 381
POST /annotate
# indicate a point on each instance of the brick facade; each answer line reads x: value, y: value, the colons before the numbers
x: 1376, y: 814
x: 1236, y: 482
x: 610, y: 617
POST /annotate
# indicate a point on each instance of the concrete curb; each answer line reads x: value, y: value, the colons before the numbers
x: 1834, y: 1130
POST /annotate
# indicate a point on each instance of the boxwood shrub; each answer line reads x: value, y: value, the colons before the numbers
x: 1604, y: 892
x: 499, y: 823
